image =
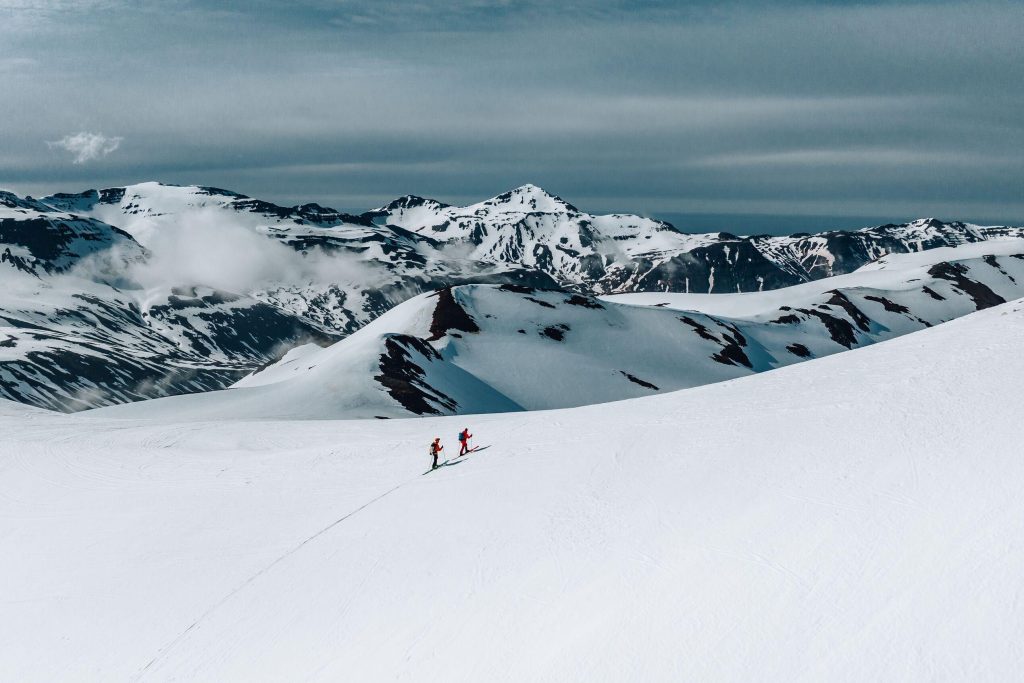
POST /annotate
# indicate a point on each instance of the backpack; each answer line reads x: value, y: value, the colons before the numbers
x: 462, y: 436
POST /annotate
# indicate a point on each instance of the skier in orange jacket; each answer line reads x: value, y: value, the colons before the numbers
x: 435, y: 450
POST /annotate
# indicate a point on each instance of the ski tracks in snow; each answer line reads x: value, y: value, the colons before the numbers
x: 249, y: 581
x: 165, y: 650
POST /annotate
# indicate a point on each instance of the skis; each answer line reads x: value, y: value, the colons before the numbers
x: 446, y: 463
x: 450, y: 462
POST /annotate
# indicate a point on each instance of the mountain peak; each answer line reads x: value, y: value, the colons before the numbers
x: 937, y: 226
x: 532, y: 198
x: 531, y: 189
x: 411, y: 201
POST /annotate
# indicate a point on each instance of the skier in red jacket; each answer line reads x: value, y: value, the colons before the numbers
x: 464, y: 437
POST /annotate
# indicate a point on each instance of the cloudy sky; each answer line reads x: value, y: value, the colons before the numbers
x: 736, y: 115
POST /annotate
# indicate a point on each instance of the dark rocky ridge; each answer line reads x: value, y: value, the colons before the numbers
x: 448, y: 316
x: 405, y: 381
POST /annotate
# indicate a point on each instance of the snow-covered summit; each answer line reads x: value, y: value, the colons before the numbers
x: 411, y: 201
x: 528, y: 199
x: 412, y: 209
x: 533, y: 227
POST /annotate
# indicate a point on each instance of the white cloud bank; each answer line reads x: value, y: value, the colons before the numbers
x: 87, y: 146
x: 206, y: 248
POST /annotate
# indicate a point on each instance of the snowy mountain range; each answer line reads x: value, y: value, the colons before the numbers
x: 623, y: 253
x: 154, y: 290
x: 502, y: 348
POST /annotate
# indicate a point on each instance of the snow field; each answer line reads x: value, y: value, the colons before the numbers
x: 851, y: 518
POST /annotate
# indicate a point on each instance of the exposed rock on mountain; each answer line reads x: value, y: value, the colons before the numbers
x: 150, y: 290
x: 479, y: 349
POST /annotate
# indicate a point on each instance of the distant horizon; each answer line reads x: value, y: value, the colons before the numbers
x: 738, y: 223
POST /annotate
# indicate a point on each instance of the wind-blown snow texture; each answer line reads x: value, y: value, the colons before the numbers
x: 848, y: 519
x: 153, y: 290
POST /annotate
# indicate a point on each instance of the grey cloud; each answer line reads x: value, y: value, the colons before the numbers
x: 642, y: 106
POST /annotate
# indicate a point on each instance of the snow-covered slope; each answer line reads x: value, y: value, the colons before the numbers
x: 481, y: 349
x: 152, y: 290
x: 476, y: 349
x: 853, y: 518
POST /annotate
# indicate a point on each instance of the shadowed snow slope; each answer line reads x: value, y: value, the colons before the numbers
x: 484, y: 349
x: 857, y: 518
